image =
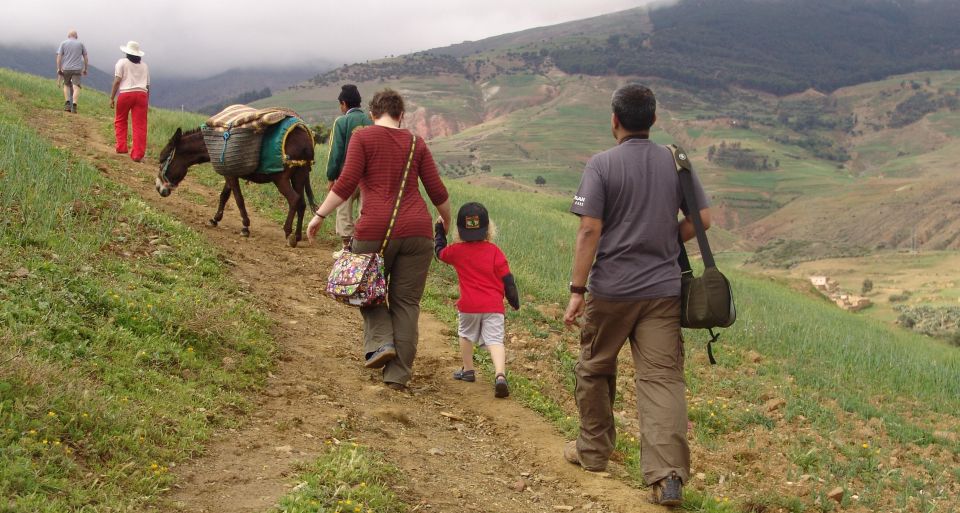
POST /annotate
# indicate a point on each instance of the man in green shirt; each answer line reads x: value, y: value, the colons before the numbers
x: 353, y: 119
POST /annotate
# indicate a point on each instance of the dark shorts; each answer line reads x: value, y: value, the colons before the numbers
x: 72, y: 77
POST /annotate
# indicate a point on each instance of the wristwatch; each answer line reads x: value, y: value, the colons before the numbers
x: 577, y: 290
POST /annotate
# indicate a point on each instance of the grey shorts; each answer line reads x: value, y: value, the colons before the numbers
x: 72, y: 77
x: 483, y: 329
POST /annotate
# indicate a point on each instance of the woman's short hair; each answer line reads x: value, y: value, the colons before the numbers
x: 387, y: 101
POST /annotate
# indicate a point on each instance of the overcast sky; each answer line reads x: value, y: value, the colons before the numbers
x: 203, y: 37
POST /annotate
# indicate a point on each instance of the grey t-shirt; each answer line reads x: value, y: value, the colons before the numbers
x: 635, y: 190
x: 71, y: 54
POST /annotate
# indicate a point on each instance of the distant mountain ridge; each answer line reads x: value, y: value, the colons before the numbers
x: 43, y: 62
x: 775, y: 46
x: 171, y: 92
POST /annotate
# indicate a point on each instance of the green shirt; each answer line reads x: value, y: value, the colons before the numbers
x: 343, y: 128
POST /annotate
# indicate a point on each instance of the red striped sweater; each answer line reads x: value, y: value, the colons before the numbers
x: 375, y: 160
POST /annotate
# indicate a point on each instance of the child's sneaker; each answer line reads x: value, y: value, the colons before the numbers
x: 465, y: 375
x: 500, y: 387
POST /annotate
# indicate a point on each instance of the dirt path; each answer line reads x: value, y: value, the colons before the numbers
x: 320, y: 387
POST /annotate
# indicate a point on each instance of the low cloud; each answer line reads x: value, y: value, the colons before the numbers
x: 191, y: 38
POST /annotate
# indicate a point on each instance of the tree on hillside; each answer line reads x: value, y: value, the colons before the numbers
x: 539, y: 180
x: 867, y: 286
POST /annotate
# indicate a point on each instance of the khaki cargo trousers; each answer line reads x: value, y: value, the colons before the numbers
x: 406, y: 262
x: 345, y: 218
x: 653, y: 328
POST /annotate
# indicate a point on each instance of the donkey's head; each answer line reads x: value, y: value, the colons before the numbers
x: 174, y: 161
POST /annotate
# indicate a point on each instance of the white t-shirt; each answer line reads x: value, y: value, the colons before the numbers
x: 133, y: 77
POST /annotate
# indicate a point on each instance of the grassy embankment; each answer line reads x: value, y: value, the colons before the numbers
x: 125, y: 343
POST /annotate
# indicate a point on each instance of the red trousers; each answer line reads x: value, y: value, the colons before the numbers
x: 133, y: 103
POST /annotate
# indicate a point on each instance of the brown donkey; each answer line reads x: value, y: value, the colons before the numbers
x: 186, y: 149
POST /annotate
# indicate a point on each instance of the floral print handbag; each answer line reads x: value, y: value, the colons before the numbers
x: 359, y: 279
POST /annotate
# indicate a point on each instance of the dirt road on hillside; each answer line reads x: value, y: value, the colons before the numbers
x: 320, y: 387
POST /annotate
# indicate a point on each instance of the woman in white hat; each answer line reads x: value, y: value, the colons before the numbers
x: 132, y: 82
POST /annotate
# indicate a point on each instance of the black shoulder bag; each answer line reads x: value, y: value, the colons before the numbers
x: 706, y: 301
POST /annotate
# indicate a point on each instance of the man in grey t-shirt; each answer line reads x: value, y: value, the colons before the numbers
x: 628, y: 241
x: 72, y: 62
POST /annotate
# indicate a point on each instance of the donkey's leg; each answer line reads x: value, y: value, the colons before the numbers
x: 301, y: 180
x: 224, y: 196
x: 234, y: 183
x: 283, y: 184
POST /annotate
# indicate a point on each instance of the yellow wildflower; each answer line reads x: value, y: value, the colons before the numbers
x: 51, y: 414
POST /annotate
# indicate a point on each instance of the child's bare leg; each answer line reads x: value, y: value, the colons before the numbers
x: 499, y: 357
x: 466, y: 351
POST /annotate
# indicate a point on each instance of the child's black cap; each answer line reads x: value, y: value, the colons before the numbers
x: 472, y: 222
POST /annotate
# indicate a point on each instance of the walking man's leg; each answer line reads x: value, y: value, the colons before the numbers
x: 607, y: 324
x: 657, y: 349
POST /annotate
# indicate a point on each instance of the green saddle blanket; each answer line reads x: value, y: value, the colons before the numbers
x: 273, y: 153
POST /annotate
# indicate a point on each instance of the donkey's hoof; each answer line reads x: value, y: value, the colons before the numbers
x: 292, y: 240
x: 245, y: 232
x: 212, y: 223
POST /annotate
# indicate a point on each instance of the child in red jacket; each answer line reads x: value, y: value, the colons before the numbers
x: 485, y: 280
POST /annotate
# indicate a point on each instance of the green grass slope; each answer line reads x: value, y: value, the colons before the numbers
x: 116, y: 322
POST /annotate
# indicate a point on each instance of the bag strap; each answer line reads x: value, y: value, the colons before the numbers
x: 685, y: 171
x: 396, y: 206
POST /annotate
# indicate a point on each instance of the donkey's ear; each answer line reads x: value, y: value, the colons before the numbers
x: 177, y: 134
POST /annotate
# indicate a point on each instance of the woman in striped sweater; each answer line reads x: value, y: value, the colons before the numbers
x: 375, y: 161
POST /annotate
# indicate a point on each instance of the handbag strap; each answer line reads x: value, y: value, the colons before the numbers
x: 396, y: 206
x: 685, y: 171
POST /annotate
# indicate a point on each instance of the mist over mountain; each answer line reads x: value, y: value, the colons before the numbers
x: 166, y: 91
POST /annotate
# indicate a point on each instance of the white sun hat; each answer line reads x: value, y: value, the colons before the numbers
x: 132, y: 48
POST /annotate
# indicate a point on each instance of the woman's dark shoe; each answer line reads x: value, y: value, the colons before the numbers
x: 500, y: 387
x: 465, y: 375
x: 381, y: 356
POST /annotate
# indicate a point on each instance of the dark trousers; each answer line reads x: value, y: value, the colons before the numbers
x: 406, y: 263
x: 653, y: 329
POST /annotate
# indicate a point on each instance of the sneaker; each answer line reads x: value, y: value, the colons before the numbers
x: 381, y: 356
x: 66, y: 106
x: 500, y: 387
x: 336, y: 254
x: 465, y: 375
x: 668, y: 491
x: 73, y: 108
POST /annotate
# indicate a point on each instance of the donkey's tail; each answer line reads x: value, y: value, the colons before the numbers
x: 309, y: 190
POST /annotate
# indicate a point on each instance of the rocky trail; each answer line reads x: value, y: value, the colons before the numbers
x: 456, y: 446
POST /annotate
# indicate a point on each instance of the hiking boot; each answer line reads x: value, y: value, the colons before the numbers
x: 500, y: 387
x: 668, y: 491
x: 67, y: 106
x: 381, y: 356
x: 73, y: 108
x: 572, y: 455
x: 465, y: 375
x: 399, y: 387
